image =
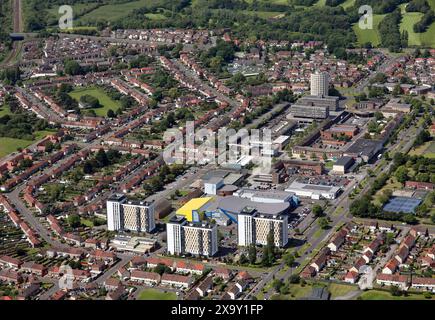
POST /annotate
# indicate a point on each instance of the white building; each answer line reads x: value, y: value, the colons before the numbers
x: 129, y: 215
x: 189, y: 237
x: 319, y: 84
x: 313, y: 191
x: 212, y: 185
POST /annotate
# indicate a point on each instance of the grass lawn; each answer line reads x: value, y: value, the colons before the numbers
x: 417, y: 39
x: 262, y: 14
x: 113, y: 12
x: 155, y: 16
x: 9, y: 145
x: 347, y: 4
x: 320, y: 3
x: 394, y: 185
x: 4, y: 111
x: 337, y: 211
x: 87, y: 223
x: 153, y: 294
x: 296, y: 292
x: 106, y: 102
x: 384, y: 295
x: 339, y: 290
x: 318, y: 233
x: 427, y: 150
x: 369, y: 35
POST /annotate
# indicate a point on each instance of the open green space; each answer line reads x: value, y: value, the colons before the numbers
x: 153, y: 294
x: 417, y: 39
x: 427, y: 150
x: 9, y: 145
x: 347, y: 4
x: 4, y: 111
x: 369, y: 35
x: 113, y: 12
x: 339, y: 290
x: 262, y: 14
x: 155, y: 16
x: 384, y: 295
x: 106, y: 102
x: 320, y: 3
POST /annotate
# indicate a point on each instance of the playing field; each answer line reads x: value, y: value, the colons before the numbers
x: 369, y: 35
x: 106, y: 102
x: 153, y: 294
x: 9, y: 145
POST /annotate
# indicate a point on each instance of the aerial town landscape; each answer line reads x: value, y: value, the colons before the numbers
x: 325, y: 189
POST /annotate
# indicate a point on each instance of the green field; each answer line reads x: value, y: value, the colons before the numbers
x: 98, y: 93
x: 9, y: 145
x: 262, y: 14
x: 369, y: 35
x: 153, y: 294
x: 347, y: 4
x: 114, y: 12
x: 427, y: 150
x: 384, y: 295
x: 4, y: 111
x: 339, y: 290
x: 417, y: 39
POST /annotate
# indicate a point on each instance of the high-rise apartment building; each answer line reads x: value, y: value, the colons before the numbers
x: 254, y: 227
x: 197, y: 238
x: 319, y: 84
x: 123, y: 214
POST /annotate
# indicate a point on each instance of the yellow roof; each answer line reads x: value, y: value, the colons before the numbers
x: 193, y: 205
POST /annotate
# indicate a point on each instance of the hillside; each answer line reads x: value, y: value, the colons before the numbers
x: 278, y: 18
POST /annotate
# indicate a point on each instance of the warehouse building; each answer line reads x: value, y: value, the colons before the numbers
x: 313, y: 191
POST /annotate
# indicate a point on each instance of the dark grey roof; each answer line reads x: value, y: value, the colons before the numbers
x: 344, y: 161
x: 364, y: 146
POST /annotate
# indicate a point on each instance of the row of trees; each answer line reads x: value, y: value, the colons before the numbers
x: 389, y: 30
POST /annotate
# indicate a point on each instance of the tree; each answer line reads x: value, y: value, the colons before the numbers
x: 74, y: 221
x: 111, y: 113
x: 161, y: 269
x: 88, y: 168
x: 252, y: 253
x: 410, y: 219
x: 317, y: 210
x: 323, y: 223
x: 73, y: 68
x: 289, y: 260
x: 277, y: 284
x: 101, y: 158
x: 401, y: 174
x: 395, y: 291
x: 243, y: 260
x: 294, y: 279
x: 269, y: 251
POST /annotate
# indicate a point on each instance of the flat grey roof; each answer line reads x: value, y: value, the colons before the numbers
x: 235, y: 205
x: 343, y: 161
x: 364, y: 146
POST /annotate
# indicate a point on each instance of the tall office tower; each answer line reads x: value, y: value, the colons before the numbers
x: 197, y: 238
x: 319, y: 84
x: 123, y: 214
x: 254, y: 227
